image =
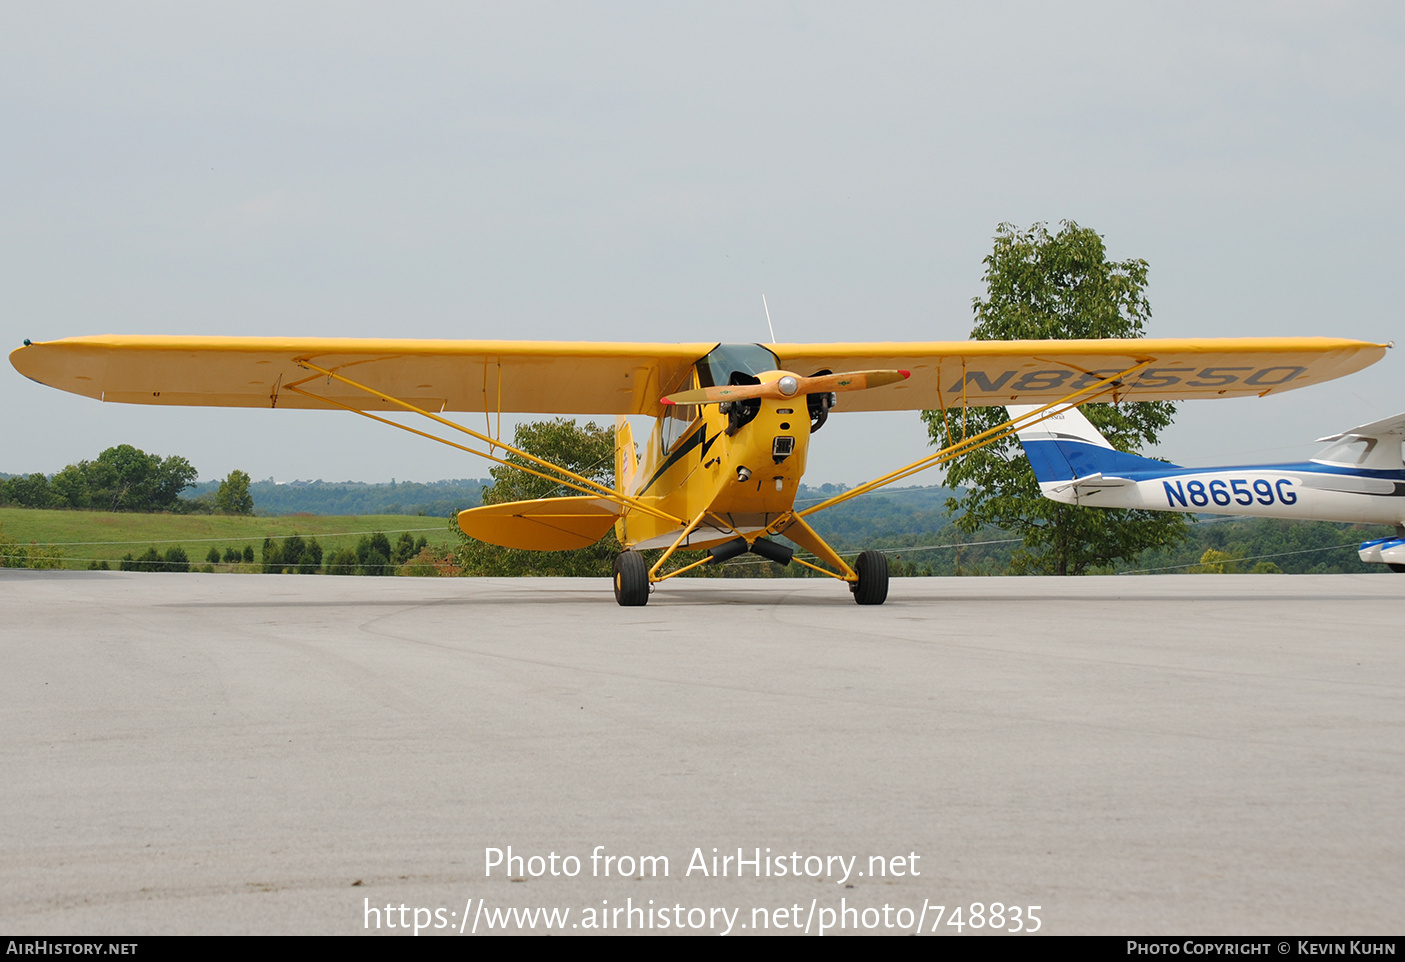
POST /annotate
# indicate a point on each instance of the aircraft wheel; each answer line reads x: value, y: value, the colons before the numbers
x: 1394, y: 567
x: 631, y: 580
x: 872, y: 586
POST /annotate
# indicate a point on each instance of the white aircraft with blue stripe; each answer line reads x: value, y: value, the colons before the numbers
x: 1359, y: 478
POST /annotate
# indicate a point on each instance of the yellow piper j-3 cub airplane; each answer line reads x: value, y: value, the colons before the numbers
x: 732, y: 421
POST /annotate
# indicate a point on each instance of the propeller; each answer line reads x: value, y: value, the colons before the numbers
x: 788, y: 386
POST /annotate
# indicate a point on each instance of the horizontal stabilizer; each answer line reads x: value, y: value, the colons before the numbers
x: 547, y: 524
x: 1094, y: 482
x: 1376, y: 429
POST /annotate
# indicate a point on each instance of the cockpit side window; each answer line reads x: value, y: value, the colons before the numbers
x: 678, y: 418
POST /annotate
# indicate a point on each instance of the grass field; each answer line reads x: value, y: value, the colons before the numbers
x: 87, y: 536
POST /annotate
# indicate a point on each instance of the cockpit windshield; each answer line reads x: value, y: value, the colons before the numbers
x: 719, y: 364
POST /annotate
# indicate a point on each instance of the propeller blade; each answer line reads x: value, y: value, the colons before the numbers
x: 851, y: 381
x: 717, y: 394
x: 788, y: 386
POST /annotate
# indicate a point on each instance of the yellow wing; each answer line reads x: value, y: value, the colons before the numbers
x: 528, y: 377
x: 565, y: 377
x: 986, y: 373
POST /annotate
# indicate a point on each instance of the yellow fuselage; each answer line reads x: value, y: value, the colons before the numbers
x: 741, y: 480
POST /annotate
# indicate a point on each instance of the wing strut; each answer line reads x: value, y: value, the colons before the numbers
x: 655, y: 576
x: 562, y: 476
x: 806, y: 537
x: 998, y: 433
x: 487, y: 422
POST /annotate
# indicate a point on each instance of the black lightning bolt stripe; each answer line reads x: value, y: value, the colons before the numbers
x: 692, y: 441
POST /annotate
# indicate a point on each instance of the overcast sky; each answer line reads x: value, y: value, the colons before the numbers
x: 647, y: 171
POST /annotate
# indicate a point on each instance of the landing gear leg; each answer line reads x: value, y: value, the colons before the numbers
x: 872, y: 586
x: 632, y: 580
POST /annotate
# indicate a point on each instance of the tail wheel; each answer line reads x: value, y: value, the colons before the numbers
x: 631, y: 580
x: 872, y: 586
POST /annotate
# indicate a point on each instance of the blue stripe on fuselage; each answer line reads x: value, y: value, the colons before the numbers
x: 1068, y: 460
x: 1298, y: 467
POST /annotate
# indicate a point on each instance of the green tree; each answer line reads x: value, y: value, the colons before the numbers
x: 310, y: 558
x: 373, y: 554
x: 1040, y: 286
x: 343, y: 562
x: 125, y: 478
x: 70, y: 487
x: 172, y: 476
x: 150, y: 561
x: 1216, y: 562
x: 290, y: 553
x: 587, y: 450
x: 31, y: 491
x: 272, y: 557
x: 406, y: 548
x: 233, y: 496
x: 121, y: 478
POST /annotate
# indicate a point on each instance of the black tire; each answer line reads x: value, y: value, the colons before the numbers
x: 1395, y: 567
x: 872, y: 586
x: 631, y: 580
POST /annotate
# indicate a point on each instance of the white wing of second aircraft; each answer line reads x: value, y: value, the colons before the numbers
x: 1376, y: 429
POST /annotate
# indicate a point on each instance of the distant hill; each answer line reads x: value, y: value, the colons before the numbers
x: 437, y: 499
x: 902, y: 513
x: 894, y: 511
